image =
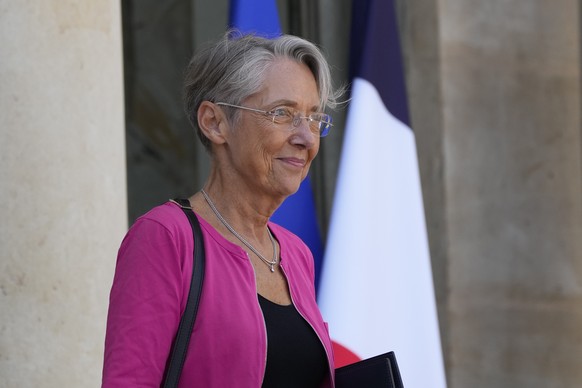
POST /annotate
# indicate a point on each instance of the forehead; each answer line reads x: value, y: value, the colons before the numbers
x: 289, y: 80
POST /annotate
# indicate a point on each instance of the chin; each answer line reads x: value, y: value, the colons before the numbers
x: 290, y: 188
x: 287, y: 184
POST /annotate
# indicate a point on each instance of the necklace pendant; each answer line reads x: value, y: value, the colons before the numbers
x: 272, y: 267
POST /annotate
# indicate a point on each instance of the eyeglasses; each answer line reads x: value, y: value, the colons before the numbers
x: 319, y: 123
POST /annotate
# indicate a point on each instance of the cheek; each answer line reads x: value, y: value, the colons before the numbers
x: 265, y: 147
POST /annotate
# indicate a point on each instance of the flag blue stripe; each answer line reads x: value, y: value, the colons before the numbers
x: 255, y: 16
x: 374, y: 25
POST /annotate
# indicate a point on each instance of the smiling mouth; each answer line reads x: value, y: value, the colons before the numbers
x: 294, y: 161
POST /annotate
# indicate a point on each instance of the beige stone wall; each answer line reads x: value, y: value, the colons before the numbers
x: 511, y: 108
x: 62, y: 187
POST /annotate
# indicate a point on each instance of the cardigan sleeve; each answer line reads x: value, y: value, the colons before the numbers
x: 144, y: 307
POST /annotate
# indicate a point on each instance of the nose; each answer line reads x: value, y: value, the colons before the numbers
x: 302, y: 133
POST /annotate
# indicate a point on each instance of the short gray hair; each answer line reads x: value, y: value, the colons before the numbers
x: 234, y: 68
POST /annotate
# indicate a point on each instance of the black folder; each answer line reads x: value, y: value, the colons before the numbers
x: 376, y: 372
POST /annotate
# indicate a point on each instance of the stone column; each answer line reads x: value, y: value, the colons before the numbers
x: 62, y: 187
x: 511, y: 98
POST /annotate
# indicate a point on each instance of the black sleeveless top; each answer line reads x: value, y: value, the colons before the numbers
x: 295, y: 355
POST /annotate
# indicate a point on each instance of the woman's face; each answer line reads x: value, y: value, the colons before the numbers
x: 274, y: 158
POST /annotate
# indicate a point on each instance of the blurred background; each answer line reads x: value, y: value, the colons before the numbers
x: 92, y: 135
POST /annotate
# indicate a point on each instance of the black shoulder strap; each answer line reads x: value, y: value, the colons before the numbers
x: 180, y: 347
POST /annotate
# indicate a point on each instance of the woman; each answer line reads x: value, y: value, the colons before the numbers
x: 256, y: 105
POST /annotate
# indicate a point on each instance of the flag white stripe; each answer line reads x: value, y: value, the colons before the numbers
x: 377, y: 289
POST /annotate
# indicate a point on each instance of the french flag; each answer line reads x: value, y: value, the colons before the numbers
x: 376, y: 288
x: 297, y: 213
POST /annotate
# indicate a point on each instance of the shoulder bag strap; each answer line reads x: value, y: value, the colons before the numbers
x: 180, y: 347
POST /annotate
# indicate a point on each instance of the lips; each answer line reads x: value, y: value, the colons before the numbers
x: 296, y: 162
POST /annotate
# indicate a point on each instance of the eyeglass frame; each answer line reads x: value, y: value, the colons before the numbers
x: 322, y: 132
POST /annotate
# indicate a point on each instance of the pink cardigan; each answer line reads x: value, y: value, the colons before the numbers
x: 228, y: 346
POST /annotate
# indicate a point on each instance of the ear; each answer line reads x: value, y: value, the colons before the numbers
x: 212, y: 122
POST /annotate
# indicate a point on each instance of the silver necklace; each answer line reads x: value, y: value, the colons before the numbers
x: 271, y: 264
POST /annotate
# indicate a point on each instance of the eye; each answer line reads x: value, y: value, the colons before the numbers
x: 281, y: 113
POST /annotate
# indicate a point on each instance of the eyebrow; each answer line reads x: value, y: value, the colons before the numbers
x: 314, y: 108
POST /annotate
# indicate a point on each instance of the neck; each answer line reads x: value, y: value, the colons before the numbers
x: 244, y: 208
x: 270, y: 263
